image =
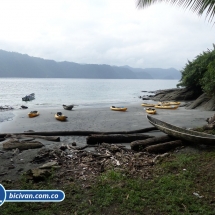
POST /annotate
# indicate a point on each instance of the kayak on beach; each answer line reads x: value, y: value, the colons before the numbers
x: 150, y: 111
x: 59, y: 116
x: 170, y: 107
x: 169, y: 103
x: 147, y: 105
x: 33, y: 114
x: 118, y: 108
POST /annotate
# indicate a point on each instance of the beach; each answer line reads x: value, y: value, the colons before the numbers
x: 82, y: 119
x: 98, y: 119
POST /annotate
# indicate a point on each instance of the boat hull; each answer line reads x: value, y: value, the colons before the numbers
x: 181, y: 133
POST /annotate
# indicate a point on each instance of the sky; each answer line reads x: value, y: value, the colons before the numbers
x: 113, y: 32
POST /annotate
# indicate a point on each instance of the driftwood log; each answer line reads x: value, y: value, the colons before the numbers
x: 139, y: 145
x: 80, y: 133
x: 115, y: 138
x: 49, y: 138
x: 164, y: 147
x: 13, y: 144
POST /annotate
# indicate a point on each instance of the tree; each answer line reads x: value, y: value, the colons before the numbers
x: 196, y: 6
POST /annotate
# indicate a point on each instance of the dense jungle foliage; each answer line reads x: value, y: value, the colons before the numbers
x: 200, y: 73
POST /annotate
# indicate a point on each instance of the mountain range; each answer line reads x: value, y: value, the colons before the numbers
x: 14, y: 64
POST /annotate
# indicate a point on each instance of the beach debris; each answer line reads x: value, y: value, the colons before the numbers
x: 51, y: 164
x: 158, y: 158
x: 115, y: 138
x: 196, y: 194
x: 140, y: 145
x: 73, y: 163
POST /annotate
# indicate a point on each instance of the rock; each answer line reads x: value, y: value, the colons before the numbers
x: 177, y: 94
x: 197, y: 99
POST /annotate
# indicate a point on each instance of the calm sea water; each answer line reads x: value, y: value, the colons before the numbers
x: 82, y: 92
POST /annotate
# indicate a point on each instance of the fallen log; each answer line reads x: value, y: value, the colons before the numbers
x: 139, y: 145
x: 11, y: 144
x: 49, y: 138
x: 115, y: 138
x: 164, y: 147
x: 80, y: 133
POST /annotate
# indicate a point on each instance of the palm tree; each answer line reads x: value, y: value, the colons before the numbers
x: 196, y: 6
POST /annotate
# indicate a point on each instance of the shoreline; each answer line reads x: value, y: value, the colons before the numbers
x: 83, y: 119
x: 98, y: 119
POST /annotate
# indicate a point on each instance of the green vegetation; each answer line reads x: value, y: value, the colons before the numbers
x: 199, y: 73
x: 169, y: 191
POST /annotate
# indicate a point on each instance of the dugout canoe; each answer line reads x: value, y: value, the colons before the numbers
x: 181, y: 133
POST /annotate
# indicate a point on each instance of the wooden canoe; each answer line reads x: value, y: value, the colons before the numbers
x: 59, y: 116
x: 118, y: 108
x: 147, y: 105
x: 181, y: 133
x: 33, y: 114
x: 150, y: 111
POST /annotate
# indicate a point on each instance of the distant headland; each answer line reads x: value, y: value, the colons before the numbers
x: 18, y: 65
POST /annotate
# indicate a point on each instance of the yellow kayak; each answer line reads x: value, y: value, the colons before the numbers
x: 60, y: 116
x: 171, y: 107
x: 33, y: 114
x: 169, y: 103
x: 147, y: 105
x: 118, y: 108
x: 151, y: 110
x: 175, y: 103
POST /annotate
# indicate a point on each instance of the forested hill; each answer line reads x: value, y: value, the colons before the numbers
x: 21, y: 65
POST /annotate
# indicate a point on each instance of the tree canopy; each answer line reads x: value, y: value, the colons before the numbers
x: 196, y: 6
x: 200, y: 73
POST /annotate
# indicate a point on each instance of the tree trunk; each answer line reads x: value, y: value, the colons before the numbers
x: 139, y: 145
x: 164, y: 147
x: 115, y: 138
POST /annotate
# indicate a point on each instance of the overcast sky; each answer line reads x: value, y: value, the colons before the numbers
x: 110, y: 32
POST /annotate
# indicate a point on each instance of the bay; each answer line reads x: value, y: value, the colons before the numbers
x: 53, y: 92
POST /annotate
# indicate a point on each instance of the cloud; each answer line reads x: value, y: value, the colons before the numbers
x: 104, y: 32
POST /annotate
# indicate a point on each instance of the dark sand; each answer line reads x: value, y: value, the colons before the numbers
x: 92, y: 119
